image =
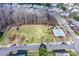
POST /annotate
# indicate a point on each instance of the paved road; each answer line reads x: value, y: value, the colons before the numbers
x: 5, y: 51
x: 73, y: 35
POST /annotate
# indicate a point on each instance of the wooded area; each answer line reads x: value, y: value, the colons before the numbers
x: 19, y: 14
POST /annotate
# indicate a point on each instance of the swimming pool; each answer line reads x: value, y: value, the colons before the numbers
x: 58, y: 32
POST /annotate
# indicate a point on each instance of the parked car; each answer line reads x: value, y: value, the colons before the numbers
x: 63, y: 43
x: 13, y: 45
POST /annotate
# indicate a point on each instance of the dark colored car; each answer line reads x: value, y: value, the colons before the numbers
x: 63, y: 43
x: 13, y: 45
x: 1, y: 34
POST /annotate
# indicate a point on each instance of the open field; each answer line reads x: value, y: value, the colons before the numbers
x: 28, y: 34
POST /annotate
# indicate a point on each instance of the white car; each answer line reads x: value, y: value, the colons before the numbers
x: 59, y: 43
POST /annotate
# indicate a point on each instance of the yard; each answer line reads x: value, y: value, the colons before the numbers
x: 28, y: 34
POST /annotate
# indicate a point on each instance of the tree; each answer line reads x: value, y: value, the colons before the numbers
x: 19, y: 15
x: 73, y: 14
x: 17, y: 28
x: 43, y: 50
x: 63, y: 8
x: 60, y: 4
x: 43, y: 4
x: 11, y: 54
x: 77, y: 18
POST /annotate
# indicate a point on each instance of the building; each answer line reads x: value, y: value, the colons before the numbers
x: 66, y: 14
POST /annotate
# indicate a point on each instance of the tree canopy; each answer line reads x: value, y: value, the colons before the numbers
x: 77, y: 18
x: 43, y: 50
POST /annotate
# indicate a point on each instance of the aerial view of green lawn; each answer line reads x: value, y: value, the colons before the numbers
x: 27, y: 34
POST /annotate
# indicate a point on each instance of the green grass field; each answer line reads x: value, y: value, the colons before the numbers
x: 28, y: 34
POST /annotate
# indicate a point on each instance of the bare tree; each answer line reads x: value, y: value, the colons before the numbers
x: 19, y: 15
